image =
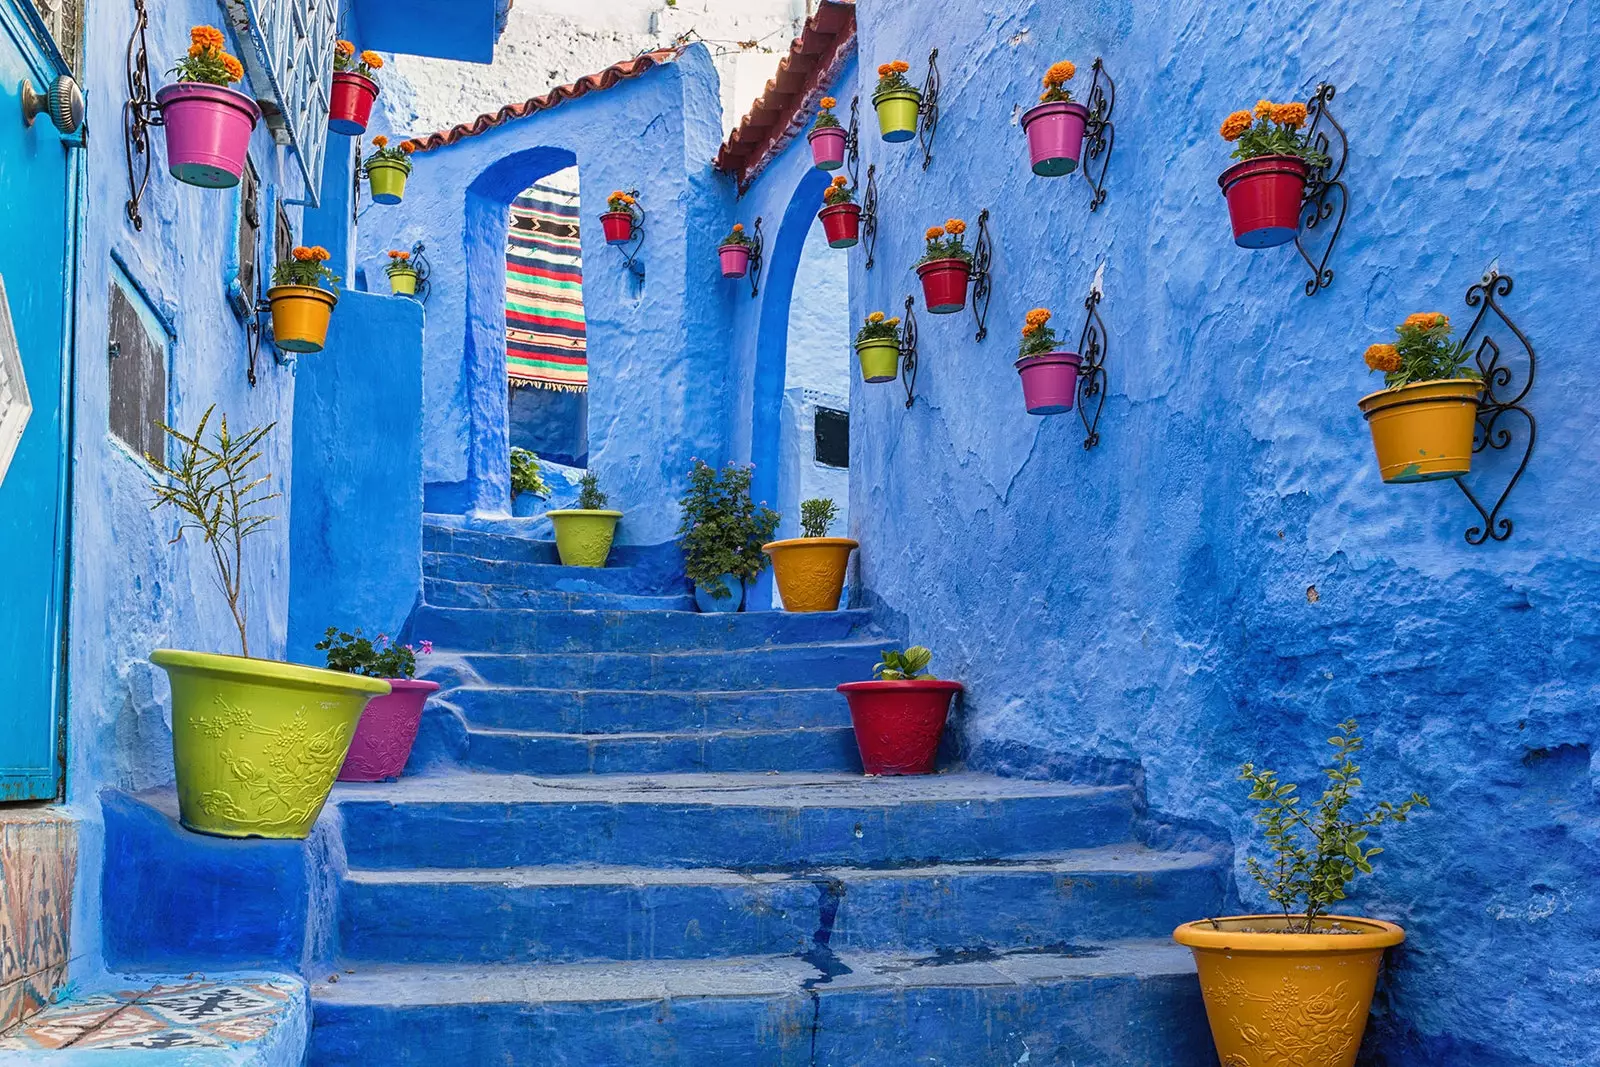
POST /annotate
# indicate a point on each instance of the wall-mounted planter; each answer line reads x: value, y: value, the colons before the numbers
x: 208, y: 132
x: 842, y: 224
x: 583, y: 537
x: 944, y: 285
x: 810, y: 571
x: 350, y: 104
x: 732, y: 592
x: 1049, y: 382
x: 1055, y: 136
x: 300, y: 316
x: 1264, y: 198
x: 880, y: 359
x: 898, y: 112
x: 386, y: 732
x: 735, y: 260
x: 1422, y: 432
x: 898, y: 724
x: 386, y: 178
x: 828, y: 147
x: 402, y: 280
x: 618, y: 226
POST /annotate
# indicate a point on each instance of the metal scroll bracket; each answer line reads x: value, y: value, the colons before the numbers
x: 908, y: 350
x: 1327, y: 199
x: 928, y: 110
x: 630, y: 251
x: 139, y: 114
x: 259, y: 324
x: 982, y: 268
x: 424, y: 269
x: 1503, y: 396
x: 868, y: 199
x: 1093, y: 346
x: 1099, y: 133
x: 758, y: 246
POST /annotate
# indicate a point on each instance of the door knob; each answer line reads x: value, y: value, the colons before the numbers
x: 63, y: 101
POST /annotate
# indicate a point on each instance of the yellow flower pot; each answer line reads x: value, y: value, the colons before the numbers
x: 1279, y: 999
x: 810, y: 571
x: 300, y: 316
x: 879, y: 358
x: 583, y: 538
x: 1423, y: 431
x: 402, y: 281
x: 897, y: 113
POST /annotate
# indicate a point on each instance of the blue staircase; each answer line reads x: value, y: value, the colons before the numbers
x: 658, y: 848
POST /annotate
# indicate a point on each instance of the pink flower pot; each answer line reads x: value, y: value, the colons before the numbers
x: 618, y: 226
x: 1049, y: 382
x: 1264, y: 197
x: 1055, y: 136
x: 944, y: 285
x: 827, y: 147
x: 208, y: 132
x: 350, y: 104
x: 842, y: 224
x: 735, y: 260
x: 386, y: 732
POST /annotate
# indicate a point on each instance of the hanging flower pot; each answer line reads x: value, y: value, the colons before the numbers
x: 897, y: 101
x: 402, y: 274
x: 619, y: 218
x: 827, y: 137
x: 387, y: 170
x: 584, y: 534
x: 388, y: 727
x: 945, y: 268
x: 1265, y: 190
x: 723, y: 530
x: 1049, y: 377
x: 354, y: 90
x: 841, y: 216
x: 899, y: 719
x: 208, y: 125
x: 810, y: 569
x: 301, y: 307
x: 1055, y: 125
x: 735, y: 252
x: 878, y: 348
x: 1423, y: 423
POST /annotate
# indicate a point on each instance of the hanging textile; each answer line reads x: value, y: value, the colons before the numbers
x: 545, y: 336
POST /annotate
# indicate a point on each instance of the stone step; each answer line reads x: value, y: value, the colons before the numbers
x: 788, y: 666
x: 438, y: 592
x: 512, y: 631
x: 617, y: 711
x: 563, y: 914
x: 747, y: 821
x: 515, y: 548
x: 1111, y: 1004
x: 831, y: 748
x: 548, y: 577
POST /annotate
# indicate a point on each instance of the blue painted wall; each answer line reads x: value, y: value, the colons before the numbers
x: 1149, y: 601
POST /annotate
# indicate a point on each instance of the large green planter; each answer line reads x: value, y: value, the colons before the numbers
x: 897, y: 113
x: 387, y: 180
x: 880, y: 359
x: 258, y: 743
x: 583, y: 538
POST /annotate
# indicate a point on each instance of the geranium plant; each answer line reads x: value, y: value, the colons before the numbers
x: 910, y: 665
x: 722, y: 528
x: 839, y: 192
x: 1424, y: 353
x: 892, y: 77
x: 1271, y: 130
x: 354, y: 653
x: 306, y: 266
x: 946, y: 242
x: 826, y: 119
x: 737, y: 236
x: 206, y: 61
x: 346, y: 61
x: 527, y: 476
x: 816, y: 516
x: 1037, y: 336
x: 879, y: 328
x: 1055, y: 83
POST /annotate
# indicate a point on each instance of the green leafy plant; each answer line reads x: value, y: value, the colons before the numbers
x: 526, y: 475
x: 839, y: 192
x: 826, y: 119
x: 737, y: 236
x: 879, y: 328
x: 1037, y: 337
x: 353, y: 653
x: 305, y: 266
x: 722, y: 528
x: 212, y: 486
x: 892, y: 77
x: 1271, y: 130
x: 946, y: 242
x: 897, y: 666
x: 816, y: 516
x: 1317, y: 852
x: 1424, y: 353
x: 590, y: 498
x: 620, y: 201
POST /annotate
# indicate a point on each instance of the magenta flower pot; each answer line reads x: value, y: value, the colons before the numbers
x: 386, y: 732
x: 208, y: 132
x: 1049, y: 382
x: 735, y: 260
x: 1055, y: 136
x: 827, y: 147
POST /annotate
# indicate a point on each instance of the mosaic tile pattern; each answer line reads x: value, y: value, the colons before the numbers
x: 38, y: 861
x: 199, y: 1014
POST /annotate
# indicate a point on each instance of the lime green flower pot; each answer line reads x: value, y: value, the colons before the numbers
x: 258, y: 743
x: 897, y: 114
x: 880, y: 359
x: 583, y: 538
x: 402, y: 281
x: 387, y: 180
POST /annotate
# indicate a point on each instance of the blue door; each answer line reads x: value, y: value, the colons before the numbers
x: 37, y: 188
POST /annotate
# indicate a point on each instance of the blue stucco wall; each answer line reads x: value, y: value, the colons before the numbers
x: 1148, y: 601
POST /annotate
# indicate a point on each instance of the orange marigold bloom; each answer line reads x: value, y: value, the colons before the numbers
x: 407, y: 147
x: 320, y: 254
x: 1029, y: 330
x: 1383, y: 357
x: 380, y: 141
x: 955, y: 227
x: 1264, y: 109
x: 1061, y: 73
x: 345, y: 48
x: 302, y: 253
x: 875, y: 317
x: 1235, y: 125
x: 234, y: 68
x: 195, y: 50
x: 1426, y: 320
x: 934, y: 233
x: 893, y: 322
x: 206, y: 36
x: 373, y: 60
x: 839, y: 179
x: 828, y: 102
x: 899, y: 66
x: 1038, y: 316
x: 885, y: 69
x: 738, y: 227
x: 1290, y: 115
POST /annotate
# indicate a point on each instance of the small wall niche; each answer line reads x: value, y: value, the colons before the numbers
x: 138, y: 346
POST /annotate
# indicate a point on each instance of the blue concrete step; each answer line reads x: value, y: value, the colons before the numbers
x: 487, y: 545
x: 613, y: 711
x: 508, y: 631
x: 446, y: 594
x: 744, y: 821
x: 549, y: 577
x: 563, y: 914
x: 529, y: 752
x: 788, y: 666
x: 1112, y: 1004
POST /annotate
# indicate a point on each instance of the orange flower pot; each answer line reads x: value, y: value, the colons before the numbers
x: 810, y: 571
x: 1422, y: 432
x: 300, y: 316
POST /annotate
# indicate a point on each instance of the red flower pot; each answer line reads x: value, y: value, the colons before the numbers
x: 618, y: 226
x: 735, y: 260
x: 1264, y: 197
x: 1055, y: 136
x: 898, y: 724
x: 827, y: 147
x: 944, y: 285
x: 842, y: 224
x: 386, y: 732
x: 350, y: 105
x: 1049, y: 382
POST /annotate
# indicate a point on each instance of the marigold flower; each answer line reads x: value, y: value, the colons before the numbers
x: 1426, y: 320
x: 301, y: 253
x: 900, y: 66
x: 206, y: 36
x: 875, y: 317
x: 1383, y: 357
x: 1029, y: 330
x: 234, y: 68
x: 1038, y: 316
x: 1264, y: 109
x: 1060, y: 74
x: 320, y: 254
x: 738, y: 227
x: 628, y: 198
x: 885, y: 69
x: 380, y: 141
x: 934, y: 233
x: 407, y: 147
x: 373, y: 60
x: 838, y: 180
x: 829, y: 102
x: 1235, y: 125
x: 1290, y: 115
x: 892, y: 322
x: 955, y: 227
x: 345, y: 48
x: 195, y: 50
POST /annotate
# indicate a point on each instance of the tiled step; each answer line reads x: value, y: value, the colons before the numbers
x: 446, y: 594
x: 1112, y: 1004
x: 549, y: 577
x: 511, y: 631
x: 612, y: 711
x: 790, y: 666
x: 745, y: 821
x: 830, y: 748
x: 550, y: 914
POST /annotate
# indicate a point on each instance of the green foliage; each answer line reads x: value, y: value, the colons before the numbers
x: 1038, y: 340
x: 526, y: 475
x: 1318, y: 852
x: 897, y: 666
x: 838, y: 193
x: 209, y: 65
x: 892, y: 78
x: 827, y: 120
x: 816, y: 516
x: 737, y: 236
x: 879, y: 328
x: 212, y: 487
x: 382, y: 150
x: 946, y: 242
x: 1427, y: 354
x: 355, y: 654
x: 590, y: 498
x: 722, y: 528
x: 1268, y: 138
x: 295, y: 271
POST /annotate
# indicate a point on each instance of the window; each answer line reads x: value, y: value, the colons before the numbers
x: 833, y: 437
x: 244, y: 265
x: 138, y: 374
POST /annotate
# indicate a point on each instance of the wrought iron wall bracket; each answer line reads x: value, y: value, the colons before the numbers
x: 1327, y: 199
x: 869, y: 215
x: 982, y: 269
x: 424, y: 269
x: 139, y: 114
x: 852, y: 143
x: 908, y: 350
x: 1093, y: 346
x: 1099, y: 133
x: 1501, y: 397
x: 630, y: 250
x: 253, y: 331
x: 928, y: 110
x: 758, y: 246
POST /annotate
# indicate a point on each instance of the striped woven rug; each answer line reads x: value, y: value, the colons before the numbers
x: 545, y: 335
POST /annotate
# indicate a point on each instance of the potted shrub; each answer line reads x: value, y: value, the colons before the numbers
x: 619, y: 218
x: 723, y: 530
x: 388, y: 728
x: 402, y: 274
x: 208, y: 124
x: 1295, y: 987
x: 387, y: 170
x: 354, y: 89
x: 810, y: 569
x: 1424, y: 419
x: 945, y: 268
x: 840, y: 214
x: 1266, y: 187
x: 1055, y: 124
x: 878, y: 348
x: 827, y: 137
x: 301, y: 306
x: 584, y: 533
x: 527, y: 483
x: 256, y: 743
x: 899, y: 718
x: 1049, y: 374
x: 897, y: 102
x: 735, y: 252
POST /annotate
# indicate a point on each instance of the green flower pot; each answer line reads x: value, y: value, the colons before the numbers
x: 897, y: 113
x: 402, y: 282
x: 387, y: 180
x: 880, y: 359
x: 583, y: 538
x: 258, y: 743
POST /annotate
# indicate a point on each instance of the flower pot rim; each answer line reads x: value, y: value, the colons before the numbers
x: 1201, y: 935
x: 877, y: 342
x: 1053, y: 107
x: 896, y: 94
x: 734, y: 244
x: 944, y: 264
x: 1458, y: 389
x: 351, y: 75
x: 805, y: 542
x: 250, y: 668
x: 879, y: 685
x: 1049, y: 357
x: 835, y: 209
x: 585, y: 511
x: 310, y: 292
x: 822, y: 130
x: 617, y: 215
x: 397, y: 164
x: 219, y: 93
x: 1270, y: 164
x: 395, y: 268
x: 412, y: 684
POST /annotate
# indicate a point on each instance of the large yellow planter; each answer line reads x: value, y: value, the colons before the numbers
x: 810, y: 571
x: 1423, y: 431
x: 257, y: 743
x: 583, y: 538
x: 897, y: 113
x: 1287, y: 1000
x: 300, y: 316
